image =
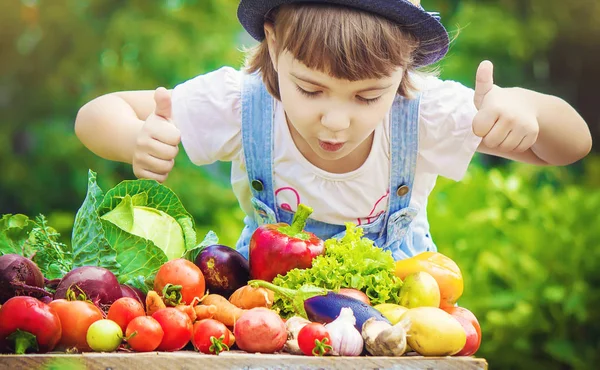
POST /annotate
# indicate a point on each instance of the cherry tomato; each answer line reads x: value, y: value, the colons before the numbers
x: 210, y: 336
x: 144, y: 334
x: 75, y: 320
x: 177, y: 328
x: 125, y: 309
x: 314, y: 339
x: 104, y: 336
x: 32, y: 316
x: 183, y: 273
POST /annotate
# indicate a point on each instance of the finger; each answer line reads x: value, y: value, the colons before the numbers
x: 497, y: 135
x: 526, y: 143
x: 166, y: 134
x: 484, y: 82
x: 145, y: 174
x: 155, y: 165
x: 162, y: 99
x: 483, y: 122
x: 162, y: 151
x: 512, y: 141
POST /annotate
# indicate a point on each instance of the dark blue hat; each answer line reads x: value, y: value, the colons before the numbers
x: 425, y: 26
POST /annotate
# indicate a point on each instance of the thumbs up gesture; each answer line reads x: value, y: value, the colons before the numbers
x: 504, y: 121
x: 157, y: 143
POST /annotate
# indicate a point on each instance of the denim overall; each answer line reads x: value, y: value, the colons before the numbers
x: 390, y: 231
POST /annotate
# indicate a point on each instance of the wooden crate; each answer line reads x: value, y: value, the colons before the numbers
x: 228, y: 360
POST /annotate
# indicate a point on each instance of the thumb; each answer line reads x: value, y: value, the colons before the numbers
x: 484, y: 82
x: 162, y: 98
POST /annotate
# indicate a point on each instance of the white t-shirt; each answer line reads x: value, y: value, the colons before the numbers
x: 207, y: 110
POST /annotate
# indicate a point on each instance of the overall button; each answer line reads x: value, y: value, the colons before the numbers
x: 257, y: 185
x: 402, y: 190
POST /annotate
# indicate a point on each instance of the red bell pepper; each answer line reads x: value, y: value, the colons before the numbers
x: 28, y: 324
x: 278, y: 248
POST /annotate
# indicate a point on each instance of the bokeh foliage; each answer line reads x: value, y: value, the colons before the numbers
x: 525, y: 237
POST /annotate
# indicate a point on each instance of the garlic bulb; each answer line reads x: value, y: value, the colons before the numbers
x: 293, y: 326
x: 370, y: 330
x: 383, y: 339
x: 345, y: 339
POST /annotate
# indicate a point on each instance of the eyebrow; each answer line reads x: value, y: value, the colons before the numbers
x: 312, y: 82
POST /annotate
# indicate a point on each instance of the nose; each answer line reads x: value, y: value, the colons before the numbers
x: 336, y: 119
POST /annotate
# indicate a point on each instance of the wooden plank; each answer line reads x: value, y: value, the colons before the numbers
x: 185, y: 360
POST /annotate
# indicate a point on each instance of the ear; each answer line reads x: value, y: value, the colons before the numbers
x: 271, y: 43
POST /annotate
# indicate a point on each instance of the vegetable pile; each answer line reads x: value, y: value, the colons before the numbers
x: 134, y: 278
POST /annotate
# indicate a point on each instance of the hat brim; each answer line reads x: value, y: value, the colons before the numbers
x: 423, y: 25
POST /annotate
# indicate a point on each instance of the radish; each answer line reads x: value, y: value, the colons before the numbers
x: 260, y: 330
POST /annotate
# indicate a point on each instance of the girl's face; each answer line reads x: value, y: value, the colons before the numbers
x: 332, y: 119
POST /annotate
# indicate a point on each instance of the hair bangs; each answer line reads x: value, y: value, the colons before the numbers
x: 343, y: 42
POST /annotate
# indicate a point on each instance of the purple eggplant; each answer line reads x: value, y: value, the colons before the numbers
x: 326, y: 308
x: 224, y: 269
x: 323, y: 305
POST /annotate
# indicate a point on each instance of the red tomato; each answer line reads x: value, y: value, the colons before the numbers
x: 314, y: 340
x: 177, y: 328
x: 472, y: 329
x: 210, y: 336
x: 125, y: 309
x: 181, y: 272
x: 32, y: 316
x: 148, y: 334
x: 75, y: 319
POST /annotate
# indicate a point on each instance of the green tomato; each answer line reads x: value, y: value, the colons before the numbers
x: 104, y: 336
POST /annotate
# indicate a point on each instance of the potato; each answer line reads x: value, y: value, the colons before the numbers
x: 260, y: 330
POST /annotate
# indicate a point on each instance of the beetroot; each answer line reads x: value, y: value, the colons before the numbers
x: 20, y: 276
x: 97, y: 283
x: 135, y: 293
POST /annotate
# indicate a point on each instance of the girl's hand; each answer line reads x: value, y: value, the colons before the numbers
x: 157, y: 143
x: 505, y: 122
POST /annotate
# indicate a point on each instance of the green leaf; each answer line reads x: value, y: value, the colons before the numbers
x: 52, y: 257
x: 210, y: 239
x: 139, y: 259
x: 122, y: 215
x: 14, y: 232
x: 89, y: 243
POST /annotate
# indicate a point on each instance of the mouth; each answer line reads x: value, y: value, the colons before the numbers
x: 330, y: 146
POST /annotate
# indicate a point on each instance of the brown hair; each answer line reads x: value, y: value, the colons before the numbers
x: 340, y: 41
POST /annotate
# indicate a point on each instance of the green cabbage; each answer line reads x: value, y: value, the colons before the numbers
x: 132, y: 230
x: 149, y: 223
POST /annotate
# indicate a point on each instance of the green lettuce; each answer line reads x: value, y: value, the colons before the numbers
x: 349, y: 262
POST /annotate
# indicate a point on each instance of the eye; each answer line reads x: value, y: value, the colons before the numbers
x: 368, y: 101
x: 310, y: 94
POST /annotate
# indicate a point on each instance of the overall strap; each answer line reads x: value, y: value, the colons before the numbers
x: 257, y: 138
x: 404, y: 143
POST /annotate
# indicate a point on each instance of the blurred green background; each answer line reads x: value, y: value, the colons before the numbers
x: 525, y: 237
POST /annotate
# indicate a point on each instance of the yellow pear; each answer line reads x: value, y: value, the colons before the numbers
x: 420, y: 289
x: 391, y: 311
x: 434, y: 332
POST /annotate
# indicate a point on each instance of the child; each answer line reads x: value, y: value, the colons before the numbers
x: 330, y: 112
